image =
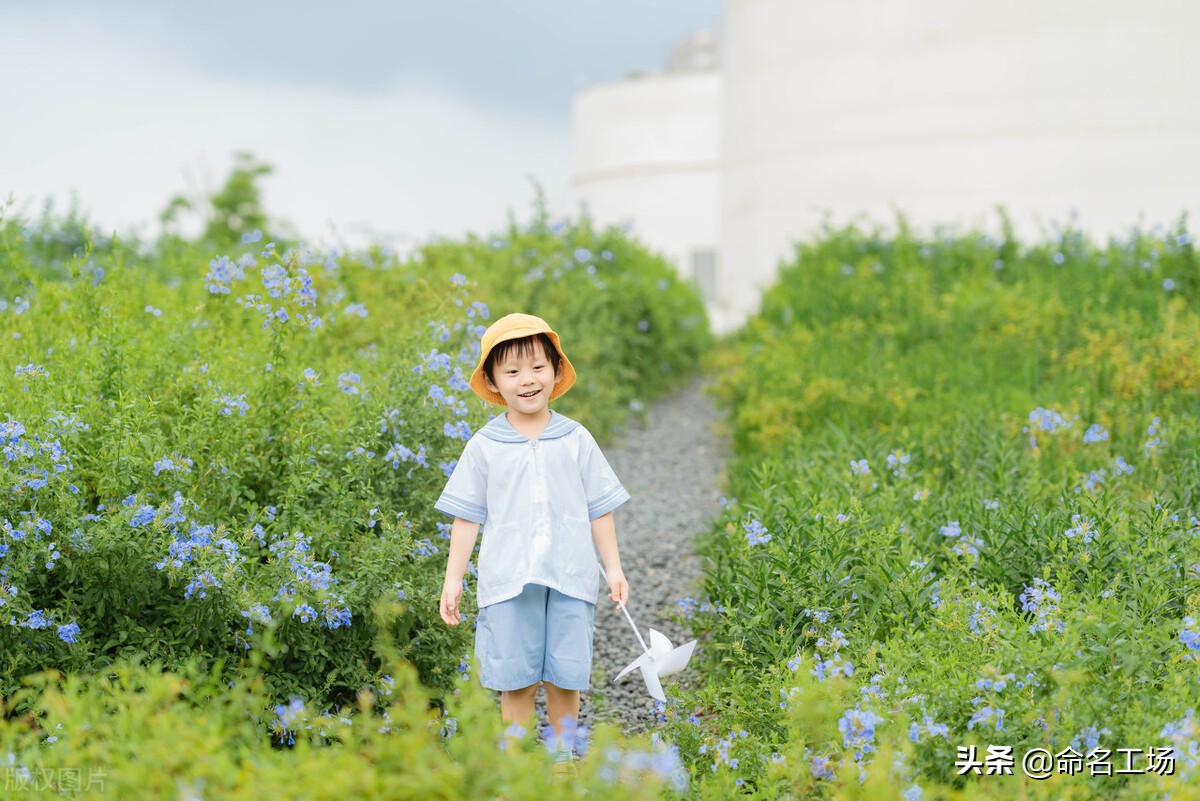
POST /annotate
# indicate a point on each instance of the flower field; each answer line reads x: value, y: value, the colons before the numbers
x: 221, y: 463
x: 962, y: 527
x: 963, y: 518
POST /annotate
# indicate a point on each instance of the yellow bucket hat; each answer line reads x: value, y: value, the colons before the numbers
x: 516, y: 326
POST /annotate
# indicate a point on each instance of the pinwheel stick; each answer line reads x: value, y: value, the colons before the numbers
x: 627, y: 617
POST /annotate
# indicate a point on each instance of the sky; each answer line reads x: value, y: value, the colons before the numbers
x: 383, y: 121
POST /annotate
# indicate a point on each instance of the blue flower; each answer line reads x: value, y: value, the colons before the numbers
x: 142, y: 516
x: 1048, y: 420
x: 574, y: 737
x: 288, y: 717
x: 11, y: 432
x: 756, y: 532
x: 1095, y: 433
x: 200, y: 584
x: 1153, y: 440
x: 183, y: 465
x: 229, y: 403
x: 1189, y: 635
x: 221, y: 273
x: 69, y: 632
x: 897, y: 462
x: 918, y: 732
x: 357, y: 309
x: 820, y: 766
x: 31, y: 369
x: 860, y: 467
x: 258, y: 613
x: 38, y: 620
x: 686, y: 607
x: 1081, y: 527
x: 336, y: 617
x: 348, y: 382
x: 858, y: 730
x: 397, y: 454
x: 458, y: 279
x: 985, y: 716
x: 1042, y: 599
x: 982, y: 620
x: 1088, y: 740
x: 457, y: 430
x: 435, y: 360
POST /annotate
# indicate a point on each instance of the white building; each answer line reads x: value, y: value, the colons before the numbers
x: 939, y: 109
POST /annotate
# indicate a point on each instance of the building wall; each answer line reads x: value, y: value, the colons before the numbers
x: 646, y: 152
x: 939, y: 109
x: 942, y: 110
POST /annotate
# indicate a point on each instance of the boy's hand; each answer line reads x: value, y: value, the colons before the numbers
x: 451, y: 596
x: 617, y: 585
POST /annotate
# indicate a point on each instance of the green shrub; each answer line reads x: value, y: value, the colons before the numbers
x: 140, y: 733
x: 967, y: 496
x: 213, y: 455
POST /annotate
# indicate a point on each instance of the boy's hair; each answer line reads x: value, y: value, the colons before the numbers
x: 523, y: 346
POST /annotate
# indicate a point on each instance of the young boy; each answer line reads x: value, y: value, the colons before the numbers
x: 543, y: 491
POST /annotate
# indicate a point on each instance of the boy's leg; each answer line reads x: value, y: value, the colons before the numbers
x: 561, y: 704
x: 516, y: 706
x: 570, y: 624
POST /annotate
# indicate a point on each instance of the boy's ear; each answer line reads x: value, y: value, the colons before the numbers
x: 488, y: 381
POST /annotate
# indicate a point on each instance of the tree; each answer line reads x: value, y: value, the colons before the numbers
x: 237, y: 206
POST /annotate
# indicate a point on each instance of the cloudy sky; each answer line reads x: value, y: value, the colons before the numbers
x: 389, y: 120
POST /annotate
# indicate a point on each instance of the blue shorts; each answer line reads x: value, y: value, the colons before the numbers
x: 540, y: 635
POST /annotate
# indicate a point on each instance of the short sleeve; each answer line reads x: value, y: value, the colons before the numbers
x: 465, y: 494
x: 600, y: 484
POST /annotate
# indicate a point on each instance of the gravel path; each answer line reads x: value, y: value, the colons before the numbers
x: 674, y: 467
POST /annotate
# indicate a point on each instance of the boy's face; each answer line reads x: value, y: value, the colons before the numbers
x: 525, y: 379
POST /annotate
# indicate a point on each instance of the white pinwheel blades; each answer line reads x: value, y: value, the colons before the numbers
x: 660, y: 659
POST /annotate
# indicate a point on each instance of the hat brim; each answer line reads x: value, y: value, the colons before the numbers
x: 564, y: 377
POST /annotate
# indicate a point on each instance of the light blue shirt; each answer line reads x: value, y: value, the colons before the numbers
x: 536, y: 500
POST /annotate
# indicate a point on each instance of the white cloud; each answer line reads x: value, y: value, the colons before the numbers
x: 97, y: 105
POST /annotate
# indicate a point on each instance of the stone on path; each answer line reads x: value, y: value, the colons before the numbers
x: 674, y: 467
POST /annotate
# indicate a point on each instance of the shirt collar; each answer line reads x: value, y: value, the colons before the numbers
x: 499, y: 429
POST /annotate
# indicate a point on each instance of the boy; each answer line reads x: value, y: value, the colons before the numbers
x: 545, y: 493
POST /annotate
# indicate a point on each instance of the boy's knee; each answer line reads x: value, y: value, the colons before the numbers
x: 553, y: 689
x: 521, y: 694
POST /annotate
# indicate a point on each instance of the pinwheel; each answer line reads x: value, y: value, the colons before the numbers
x: 658, y: 659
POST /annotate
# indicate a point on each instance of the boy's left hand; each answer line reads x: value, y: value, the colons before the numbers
x: 617, y: 585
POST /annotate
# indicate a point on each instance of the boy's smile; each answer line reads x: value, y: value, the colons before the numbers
x: 525, y: 381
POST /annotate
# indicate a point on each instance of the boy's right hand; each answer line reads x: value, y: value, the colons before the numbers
x: 451, y: 596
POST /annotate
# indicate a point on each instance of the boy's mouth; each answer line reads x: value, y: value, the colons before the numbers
x: 528, y: 394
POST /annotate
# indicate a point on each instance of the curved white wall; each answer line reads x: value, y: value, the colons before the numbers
x: 943, y: 109
x: 646, y: 151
